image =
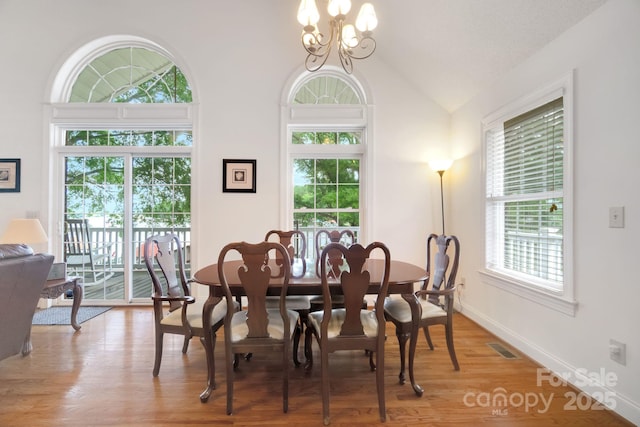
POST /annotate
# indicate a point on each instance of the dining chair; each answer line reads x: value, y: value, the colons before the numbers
x: 163, y: 257
x: 257, y: 328
x: 435, y: 295
x: 335, y: 261
x: 325, y: 236
x: 295, y: 242
x: 350, y: 327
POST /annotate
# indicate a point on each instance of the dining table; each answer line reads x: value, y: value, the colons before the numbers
x: 402, y: 277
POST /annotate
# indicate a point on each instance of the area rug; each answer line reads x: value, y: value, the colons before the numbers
x: 62, y: 315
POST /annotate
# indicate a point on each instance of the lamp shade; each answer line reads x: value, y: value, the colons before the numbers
x: 28, y: 231
x: 440, y: 164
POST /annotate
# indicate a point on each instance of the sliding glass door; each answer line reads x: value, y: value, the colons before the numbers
x: 112, y: 203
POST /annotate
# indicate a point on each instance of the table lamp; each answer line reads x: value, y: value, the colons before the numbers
x: 24, y: 230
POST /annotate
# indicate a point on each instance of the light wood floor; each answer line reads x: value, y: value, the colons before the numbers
x: 101, y: 376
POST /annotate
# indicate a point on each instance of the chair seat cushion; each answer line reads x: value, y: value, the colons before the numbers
x: 399, y: 309
x: 239, y: 328
x: 367, y: 317
x: 294, y: 302
x: 194, y: 314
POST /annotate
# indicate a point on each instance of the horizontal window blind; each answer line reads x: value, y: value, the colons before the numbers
x: 524, y: 184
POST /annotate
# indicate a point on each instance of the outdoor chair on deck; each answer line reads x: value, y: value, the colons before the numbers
x: 82, y: 255
x: 257, y: 328
x: 351, y: 327
x: 436, y: 304
x: 170, y: 285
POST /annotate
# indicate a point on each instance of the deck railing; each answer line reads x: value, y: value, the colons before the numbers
x: 536, y: 254
x: 112, y: 238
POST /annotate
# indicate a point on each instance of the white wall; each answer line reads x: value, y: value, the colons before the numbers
x: 604, y: 51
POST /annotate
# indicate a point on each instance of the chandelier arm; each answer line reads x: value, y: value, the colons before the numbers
x: 345, y: 60
x: 311, y: 59
x: 366, y: 45
x: 314, y: 45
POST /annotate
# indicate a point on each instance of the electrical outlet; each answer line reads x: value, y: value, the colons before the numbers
x: 460, y: 285
x: 618, y: 352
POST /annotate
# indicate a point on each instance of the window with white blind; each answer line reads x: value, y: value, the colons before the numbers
x: 526, y: 157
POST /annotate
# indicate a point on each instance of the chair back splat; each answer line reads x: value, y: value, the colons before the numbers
x: 334, y: 263
x: 438, y: 263
x: 296, y: 244
x: 166, y: 251
x: 334, y: 259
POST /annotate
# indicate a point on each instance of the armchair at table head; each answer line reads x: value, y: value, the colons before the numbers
x: 257, y: 328
x: 163, y: 257
x: 351, y: 327
x: 435, y: 297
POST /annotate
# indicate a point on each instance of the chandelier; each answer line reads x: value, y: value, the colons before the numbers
x: 343, y: 36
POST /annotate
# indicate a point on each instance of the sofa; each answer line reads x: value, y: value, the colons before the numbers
x: 22, y: 277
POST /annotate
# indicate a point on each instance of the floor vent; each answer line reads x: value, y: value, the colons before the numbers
x: 502, y: 350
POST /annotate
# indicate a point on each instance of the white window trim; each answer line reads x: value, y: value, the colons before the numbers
x: 300, y: 116
x: 561, y: 300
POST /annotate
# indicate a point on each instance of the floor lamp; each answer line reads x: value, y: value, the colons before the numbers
x: 441, y: 166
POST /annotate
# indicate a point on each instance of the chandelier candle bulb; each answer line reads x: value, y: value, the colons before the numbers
x: 367, y: 20
x: 308, y: 14
x: 339, y: 7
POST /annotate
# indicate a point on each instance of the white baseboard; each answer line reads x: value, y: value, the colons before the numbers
x: 620, y: 404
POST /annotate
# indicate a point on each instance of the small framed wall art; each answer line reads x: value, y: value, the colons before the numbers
x: 238, y: 176
x: 9, y: 175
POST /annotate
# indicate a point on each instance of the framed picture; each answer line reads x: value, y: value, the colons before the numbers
x: 238, y: 176
x: 9, y: 175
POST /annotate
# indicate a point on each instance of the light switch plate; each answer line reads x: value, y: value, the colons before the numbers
x: 616, y: 217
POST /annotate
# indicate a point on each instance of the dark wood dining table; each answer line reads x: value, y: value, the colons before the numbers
x: 402, y: 276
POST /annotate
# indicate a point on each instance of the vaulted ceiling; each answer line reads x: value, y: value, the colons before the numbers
x: 451, y: 49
